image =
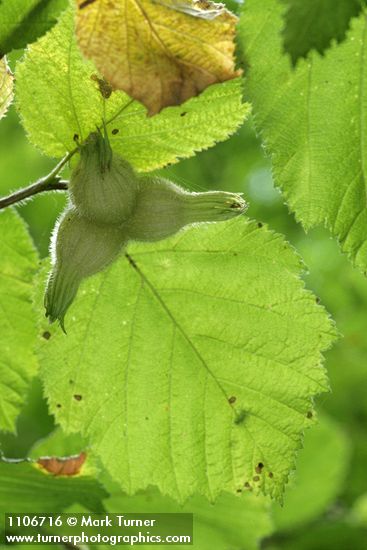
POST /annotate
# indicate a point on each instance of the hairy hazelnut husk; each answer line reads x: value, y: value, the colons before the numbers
x: 111, y: 205
x: 80, y: 248
x: 163, y: 208
x: 103, y: 185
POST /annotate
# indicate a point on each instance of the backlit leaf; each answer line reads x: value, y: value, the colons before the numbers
x: 191, y: 365
x: 313, y: 123
x: 161, y: 53
x: 59, y: 98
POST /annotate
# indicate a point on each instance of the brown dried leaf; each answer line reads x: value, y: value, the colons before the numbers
x: 68, y: 466
x: 161, y: 53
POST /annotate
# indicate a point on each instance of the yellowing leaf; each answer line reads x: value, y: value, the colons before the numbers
x: 161, y: 53
x: 59, y: 97
x: 6, y: 87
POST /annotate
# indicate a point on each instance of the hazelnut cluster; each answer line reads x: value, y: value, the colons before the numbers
x: 109, y: 206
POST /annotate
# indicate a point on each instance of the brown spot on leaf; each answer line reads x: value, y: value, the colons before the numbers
x: 259, y: 468
x: 69, y: 466
x: 46, y: 335
x: 309, y: 414
x: 77, y: 397
x: 256, y: 478
x: 259, y: 225
x: 115, y: 131
x: 58, y: 405
x: 232, y: 400
x: 271, y: 474
x: 184, y: 113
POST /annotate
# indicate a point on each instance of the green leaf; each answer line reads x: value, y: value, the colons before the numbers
x: 18, y: 263
x: 6, y: 87
x: 312, y: 120
x: 238, y: 523
x: 191, y: 364
x: 59, y: 98
x: 22, y: 22
x: 314, y: 24
x: 24, y: 488
x: 327, y: 452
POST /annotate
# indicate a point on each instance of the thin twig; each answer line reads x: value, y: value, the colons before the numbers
x: 61, y: 164
x: 33, y: 189
x: 51, y: 182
